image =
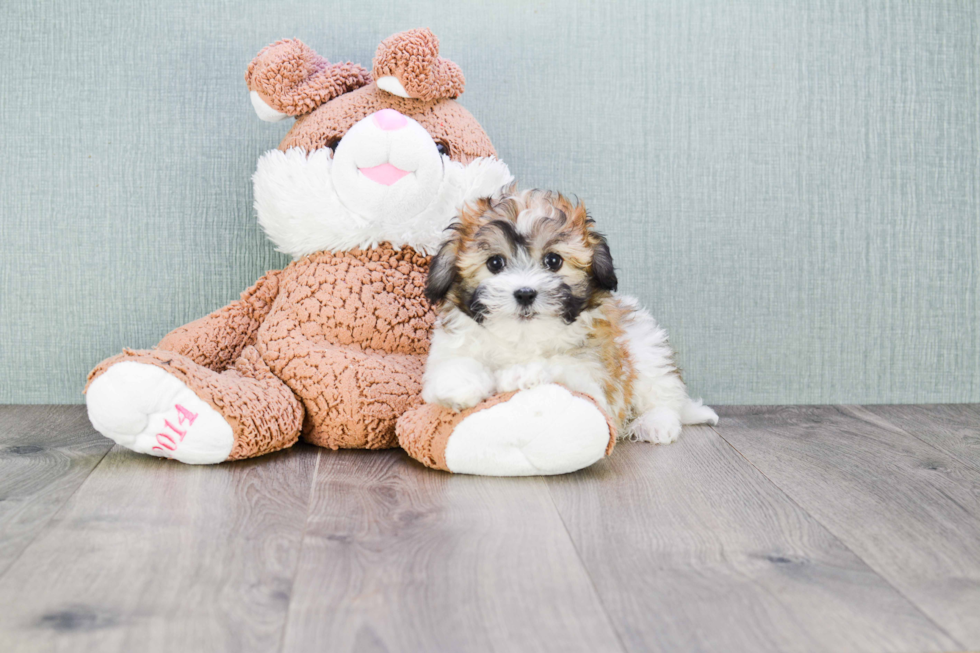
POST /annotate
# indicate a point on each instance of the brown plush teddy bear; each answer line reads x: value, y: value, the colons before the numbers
x: 332, y: 348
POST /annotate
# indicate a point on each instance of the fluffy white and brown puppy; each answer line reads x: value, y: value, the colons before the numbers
x: 525, y: 290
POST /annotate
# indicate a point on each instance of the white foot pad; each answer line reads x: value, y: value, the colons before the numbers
x: 143, y: 408
x: 545, y: 430
x: 660, y: 426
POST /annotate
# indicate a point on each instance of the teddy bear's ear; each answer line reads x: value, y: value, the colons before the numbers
x: 288, y: 78
x: 408, y: 65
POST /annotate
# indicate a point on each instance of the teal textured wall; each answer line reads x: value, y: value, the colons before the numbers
x: 793, y: 187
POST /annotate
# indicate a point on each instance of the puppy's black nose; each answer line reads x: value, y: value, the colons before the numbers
x: 525, y: 296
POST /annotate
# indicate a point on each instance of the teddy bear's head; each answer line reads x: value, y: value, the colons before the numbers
x: 366, y: 162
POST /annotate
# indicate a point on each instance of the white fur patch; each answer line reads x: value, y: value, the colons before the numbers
x: 264, y: 111
x: 660, y: 426
x: 145, y: 409
x: 458, y: 384
x: 660, y: 400
x: 522, y: 354
x: 546, y: 430
x: 300, y: 210
x: 392, y: 85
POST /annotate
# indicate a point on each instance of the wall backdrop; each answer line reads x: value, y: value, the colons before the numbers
x: 792, y: 187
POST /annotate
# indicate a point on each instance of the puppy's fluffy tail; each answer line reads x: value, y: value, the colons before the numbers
x: 695, y: 412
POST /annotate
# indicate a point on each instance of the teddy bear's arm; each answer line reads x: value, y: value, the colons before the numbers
x: 217, y: 340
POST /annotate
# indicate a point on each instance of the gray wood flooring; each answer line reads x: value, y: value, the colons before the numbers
x: 782, y: 529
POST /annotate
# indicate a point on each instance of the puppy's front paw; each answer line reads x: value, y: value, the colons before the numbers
x: 522, y: 377
x: 458, y: 385
x: 660, y: 426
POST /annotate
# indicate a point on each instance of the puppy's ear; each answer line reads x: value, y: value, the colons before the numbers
x: 603, y: 271
x: 602, y: 265
x: 442, y: 271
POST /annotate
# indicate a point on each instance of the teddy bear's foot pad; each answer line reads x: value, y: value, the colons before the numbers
x: 542, y: 431
x: 145, y: 409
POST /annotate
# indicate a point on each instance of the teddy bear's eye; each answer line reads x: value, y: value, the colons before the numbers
x: 332, y: 144
x: 443, y: 148
x: 496, y: 263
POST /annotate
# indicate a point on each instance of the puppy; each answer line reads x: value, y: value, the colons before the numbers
x: 525, y: 294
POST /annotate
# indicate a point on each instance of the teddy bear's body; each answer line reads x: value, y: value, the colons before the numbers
x: 348, y: 334
x: 332, y: 348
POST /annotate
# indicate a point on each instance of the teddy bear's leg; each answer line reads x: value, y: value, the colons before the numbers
x: 354, y: 396
x: 542, y: 431
x: 164, y: 404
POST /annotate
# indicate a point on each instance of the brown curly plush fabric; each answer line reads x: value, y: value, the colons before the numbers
x: 332, y: 348
x: 263, y: 412
x: 343, y: 336
x: 293, y: 79
x: 329, y: 99
x: 217, y: 340
x: 423, y: 432
x: 445, y: 120
x: 413, y: 58
x: 348, y: 334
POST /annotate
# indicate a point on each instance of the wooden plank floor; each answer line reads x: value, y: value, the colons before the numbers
x: 782, y: 529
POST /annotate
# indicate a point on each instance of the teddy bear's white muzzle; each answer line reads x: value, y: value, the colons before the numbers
x: 387, y: 165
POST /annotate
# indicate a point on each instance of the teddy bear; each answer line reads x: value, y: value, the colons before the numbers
x: 331, y: 349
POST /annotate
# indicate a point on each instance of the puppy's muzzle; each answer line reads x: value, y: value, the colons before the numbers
x: 525, y: 296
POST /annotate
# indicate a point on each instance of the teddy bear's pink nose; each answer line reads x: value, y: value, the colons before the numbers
x: 390, y: 120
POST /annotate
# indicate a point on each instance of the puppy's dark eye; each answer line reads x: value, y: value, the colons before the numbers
x: 553, y: 261
x: 443, y: 148
x: 496, y: 263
